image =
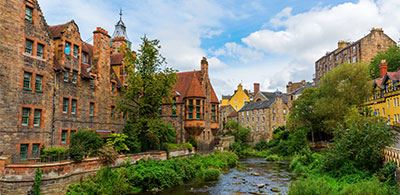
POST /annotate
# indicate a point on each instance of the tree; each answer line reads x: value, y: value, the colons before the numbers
x: 84, y: 143
x: 149, y: 83
x: 392, y: 57
x: 319, y: 110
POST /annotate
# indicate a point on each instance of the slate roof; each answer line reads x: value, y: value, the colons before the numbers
x: 258, y: 105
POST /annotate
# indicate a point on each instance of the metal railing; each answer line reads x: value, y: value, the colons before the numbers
x: 37, y: 158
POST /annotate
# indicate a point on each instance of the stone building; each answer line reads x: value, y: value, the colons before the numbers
x: 264, y: 114
x: 295, y: 89
x: 53, y: 82
x: 362, y: 50
x: 194, y: 111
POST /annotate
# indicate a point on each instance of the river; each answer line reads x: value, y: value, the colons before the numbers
x: 252, y: 176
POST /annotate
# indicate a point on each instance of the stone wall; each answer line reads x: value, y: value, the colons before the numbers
x: 18, y: 178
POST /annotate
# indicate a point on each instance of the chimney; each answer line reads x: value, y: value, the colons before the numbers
x: 101, y: 50
x: 383, y: 68
x: 256, y: 88
x: 204, y: 66
x: 342, y: 44
x: 376, y: 30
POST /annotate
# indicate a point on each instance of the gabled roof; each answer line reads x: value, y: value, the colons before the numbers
x: 56, y: 31
x: 188, y: 84
x: 258, y: 105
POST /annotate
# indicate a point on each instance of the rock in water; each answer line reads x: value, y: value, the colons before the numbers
x: 275, y: 190
x: 261, y: 185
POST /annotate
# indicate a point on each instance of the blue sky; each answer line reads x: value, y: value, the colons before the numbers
x: 266, y: 41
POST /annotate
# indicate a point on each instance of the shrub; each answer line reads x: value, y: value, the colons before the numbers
x: 312, y: 186
x: 117, y: 141
x: 53, y: 153
x: 84, y: 143
x: 211, y: 174
x: 37, y: 182
x: 262, y: 145
x: 172, y: 146
x: 388, y: 173
x: 107, y: 154
x: 273, y: 157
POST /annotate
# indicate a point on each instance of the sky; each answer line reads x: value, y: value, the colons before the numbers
x: 270, y: 42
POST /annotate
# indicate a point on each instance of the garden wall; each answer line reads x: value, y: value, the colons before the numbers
x: 18, y: 178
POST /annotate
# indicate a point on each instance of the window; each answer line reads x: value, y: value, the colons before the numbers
x: 91, y: 109
x: 173, y: 107
x: 85, y: 58
x: 67, y: 48
x: 23, y: 151
x: 28, y: 13
x: 91, y: 83
x: 25, y: 116
x: 112, y: 111
x: 27, y: 81
x: 213, y: 113
x: 36, y: 150
x: 74, y: 77
x: 197, y: 109
x: 65, y: 105
x: 28, y: 46
x: 388, y: 103
x: 76, y: 51
x: 112, y: 87
x: 40, y: 50
x: 64, y: 136
x: 66, y: 76
x: 190, y: 116
x: 38, y: 83
x: 73, y: 106
x: 37, y: 115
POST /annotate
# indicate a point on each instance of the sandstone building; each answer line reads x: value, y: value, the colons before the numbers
x: 264, y: 114
x: 194, y: 111
x: 362, y: 50
x: 53, y: 83
x: 231, y: 104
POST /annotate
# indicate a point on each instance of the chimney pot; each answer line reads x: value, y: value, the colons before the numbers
x: 383, y: 68
x: 256, y: 88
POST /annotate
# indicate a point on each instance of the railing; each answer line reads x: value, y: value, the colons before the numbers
x: 18, y: 159
x: 392, y: 154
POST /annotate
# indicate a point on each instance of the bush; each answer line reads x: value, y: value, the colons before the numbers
x: 273, y: 157
x: 211, y: 174
x: 155, y: 175
x: 172, y: 146
x: 53, y: 153
x: 388, y: 173
x: 118, y: 142
x: 262, y: 145
x: 84, y: 143
x: 107, y: 154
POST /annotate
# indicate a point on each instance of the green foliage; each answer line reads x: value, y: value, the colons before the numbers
x: 117, y: 140
x: 53, y: 153
x: 392, y: 57
x: 240, y: 133
x: 359, y: 142
x: 84, y: 143
x: 155, y: 175
x: 273, y: 157
x: 149, y: 134
x: 107, y: 154
x: 211, y: 174
x: 346, y: 85
x: 172, y: 146
x: 262, y: 145
x: 37, y: 182
x: 388, y: 173
x: 148, y: 84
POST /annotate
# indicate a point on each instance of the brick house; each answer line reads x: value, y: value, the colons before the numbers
x: 53, y: 83
x: 194, y: 111
x: 362, y: 50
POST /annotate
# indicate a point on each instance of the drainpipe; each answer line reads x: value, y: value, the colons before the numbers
x: 54, y: 110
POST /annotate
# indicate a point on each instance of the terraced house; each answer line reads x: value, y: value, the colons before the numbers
x: 53, y: 82
x: 385, y: 98
x: 264, y: 114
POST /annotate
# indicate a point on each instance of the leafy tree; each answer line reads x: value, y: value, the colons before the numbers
x: 322, y: 108
x: 149, y: 83
x: 359, y: 143
x: 117, y: 141
x: 392, y: 57
x: 84, y: 143
x: 241, y: 134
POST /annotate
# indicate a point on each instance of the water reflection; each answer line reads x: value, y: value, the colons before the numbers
x: 252, y: 176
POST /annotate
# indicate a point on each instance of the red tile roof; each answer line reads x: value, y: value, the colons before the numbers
x: 116, y: 59
x: 188, y: 84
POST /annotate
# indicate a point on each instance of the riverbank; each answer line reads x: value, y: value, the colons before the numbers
x: 156, y: 175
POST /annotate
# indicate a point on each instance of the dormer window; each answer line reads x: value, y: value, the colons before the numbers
x: 67, y: 48
x: 28, y: 13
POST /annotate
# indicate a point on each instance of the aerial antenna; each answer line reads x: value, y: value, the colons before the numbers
x: 120, y: 13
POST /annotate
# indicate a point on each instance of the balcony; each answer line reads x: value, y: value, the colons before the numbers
x: 195, y: 124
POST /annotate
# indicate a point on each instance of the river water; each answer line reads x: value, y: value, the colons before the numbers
x: 252, y: 176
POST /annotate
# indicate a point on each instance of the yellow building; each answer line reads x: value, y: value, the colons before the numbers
x: 385, y: 98
x: 237, y: 100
